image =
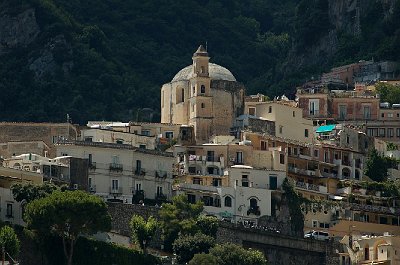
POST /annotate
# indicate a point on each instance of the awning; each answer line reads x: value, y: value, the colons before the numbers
x: 326, y: 128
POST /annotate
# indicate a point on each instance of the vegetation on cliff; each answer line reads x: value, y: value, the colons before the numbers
x: 107, y: 59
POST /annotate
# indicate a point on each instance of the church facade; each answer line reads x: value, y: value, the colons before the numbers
x: 203, y: 95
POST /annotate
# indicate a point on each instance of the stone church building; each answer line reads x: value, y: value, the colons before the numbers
x: 203, y: 95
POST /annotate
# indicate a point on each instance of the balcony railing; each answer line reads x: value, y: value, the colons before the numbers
x: 311, y: 187
x: 373, y: 208
x: 92, y: 188
x: 92, y: 165
x: 302, y: 171
x: 140, y: 171
x: 188, y: 186
x: 254, y: 210
x: 115, y: 190
x: 116, y: 167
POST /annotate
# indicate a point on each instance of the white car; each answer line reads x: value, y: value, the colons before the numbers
x: 319, y: 235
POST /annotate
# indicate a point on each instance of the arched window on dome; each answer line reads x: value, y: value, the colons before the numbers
x: 228, y: 201
x: 183, y: 95
x: 203, y: 89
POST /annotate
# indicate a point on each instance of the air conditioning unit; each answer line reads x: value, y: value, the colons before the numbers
x: 75, y: 186
x: 92, y: 189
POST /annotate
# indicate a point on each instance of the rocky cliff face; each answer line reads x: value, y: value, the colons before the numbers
x: 17, y: 30
x: 345, y: 17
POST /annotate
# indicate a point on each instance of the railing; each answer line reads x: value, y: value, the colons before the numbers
x: 329, y: 175
x: 254, y: 210
x: 140, y: 171
x: 114, y: 190
x: 116, y: 167
x: 92, y: 165
x: 188, y: 186
x: 311, y: 187
x: 373, y: 208
x: 306, y: 172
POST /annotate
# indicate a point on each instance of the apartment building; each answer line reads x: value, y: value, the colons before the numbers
x: 123, y: 172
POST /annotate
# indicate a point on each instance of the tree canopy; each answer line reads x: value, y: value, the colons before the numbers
x: 377, y: 166
x: 28, y: 192
x: 143, y: 230
x: 10, y: 241
x: 180, y: 216
x: 186, y: 246
x: 231, y: 254
x: 68, y: 214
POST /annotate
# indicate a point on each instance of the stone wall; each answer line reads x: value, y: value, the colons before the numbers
x: 121, y: 214
x: 280, y: 249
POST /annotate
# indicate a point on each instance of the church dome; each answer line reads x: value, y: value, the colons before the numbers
x: 216, y: 72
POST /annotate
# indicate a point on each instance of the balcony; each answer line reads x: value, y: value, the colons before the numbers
x: 197, y: 187
x: 140, y: 172
x: 329, y: 175
x: 116, y: 167
x: 115, y: 190
x: 373, y: 208
x: 92, y: 189
x: 160, y: 197
x: 92, y: 165
x: 254, y: 210
x: 306, y: 172
x: 311, y: 187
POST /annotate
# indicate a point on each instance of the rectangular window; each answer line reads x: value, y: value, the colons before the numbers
x: 245, y: 181
x: 146, y: 132
x: 370, y: 132
x: 280, y: 129
x: 342, y: 112
x: 314, y: 223
x: 169, y: 135
x: 316, y: 153
x: 390, y: 132
x: 273, y: 182
x: 239, y: 158
x: 138, y: 186
x: 398, y: 132
x: 9, y: 212
x: 367, y: 112
x: 382, y: 132
x: 114, y: 184
x: 282, y: 159
x: 306, y: 133
x: 264, y: 145
x: 390, y: 115
x: 159, y: 191
x: 252, y: 111
x: 314, y: 107
x: 270, y: 109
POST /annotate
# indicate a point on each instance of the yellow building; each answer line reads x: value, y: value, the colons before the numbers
x: 203, y: 95
x: 289, y: 121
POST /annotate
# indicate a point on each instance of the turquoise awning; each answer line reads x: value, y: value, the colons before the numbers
x: 326, y: 128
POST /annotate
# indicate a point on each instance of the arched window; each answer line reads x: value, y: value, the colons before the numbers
x: 228, y: 201
x: 194, y: 90
x: 202, y: 89
x: 183, y: 95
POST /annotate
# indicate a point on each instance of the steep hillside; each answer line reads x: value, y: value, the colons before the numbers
x: 107, y: 59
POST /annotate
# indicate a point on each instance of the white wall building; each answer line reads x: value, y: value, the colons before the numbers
x: 120, y: 171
